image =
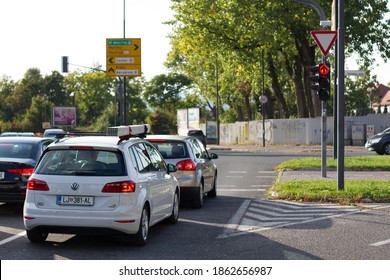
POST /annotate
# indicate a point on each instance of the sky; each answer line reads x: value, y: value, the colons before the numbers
x: 37, y: 33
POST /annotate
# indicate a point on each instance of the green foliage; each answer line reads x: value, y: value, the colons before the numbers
x: 167, y: 92
x: 355, y: 191
x: 225, y: 40
x: 326, y: 190
x: 162, y: 123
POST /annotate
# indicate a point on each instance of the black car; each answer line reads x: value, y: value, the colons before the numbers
x: 198, y: 134
x: 380, y: 143
x: 18, y: 157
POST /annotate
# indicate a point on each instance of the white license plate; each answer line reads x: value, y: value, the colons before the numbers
x: 2, y: 175
x: 75, y: 200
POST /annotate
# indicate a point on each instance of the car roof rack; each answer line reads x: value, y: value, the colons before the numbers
x: 125, y: 132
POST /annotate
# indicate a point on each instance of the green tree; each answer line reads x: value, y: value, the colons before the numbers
x: 92, y: 93
x: 237, y: 33
x: 167, y: 92
x: 162, y: 123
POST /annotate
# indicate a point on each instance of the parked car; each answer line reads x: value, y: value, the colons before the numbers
x: 101, y: 184
x: 198, y: 134
x: 17, y: 134
x: 53, y: 132
x: 18, y: 158
x: 197, y: 172
x: 380, y: 143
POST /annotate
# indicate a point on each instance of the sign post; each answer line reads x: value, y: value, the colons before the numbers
x: 324, y: 39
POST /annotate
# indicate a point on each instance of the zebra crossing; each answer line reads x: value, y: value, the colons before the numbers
x: 260, y: 215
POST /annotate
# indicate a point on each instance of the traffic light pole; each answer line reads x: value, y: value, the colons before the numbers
x: 323, y: 138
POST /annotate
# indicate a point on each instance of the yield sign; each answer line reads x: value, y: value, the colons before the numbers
x: 324, y: 39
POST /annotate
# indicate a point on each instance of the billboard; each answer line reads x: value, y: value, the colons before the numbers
x: 187, y: 119
x: 64, y: 116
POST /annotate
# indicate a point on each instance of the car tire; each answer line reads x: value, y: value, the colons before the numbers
x: 142, y: 236
x: 213, y: 192
x: 36, y: 235
x: 198, y: 201
x: 175, y: 210
x: 386, y: 149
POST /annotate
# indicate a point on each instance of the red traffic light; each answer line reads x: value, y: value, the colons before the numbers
x: 323, y: 69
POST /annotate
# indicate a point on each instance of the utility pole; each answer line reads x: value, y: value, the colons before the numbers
x: 340, y: 94
x: 124, y: 77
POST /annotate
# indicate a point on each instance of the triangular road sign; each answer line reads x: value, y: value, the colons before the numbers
x: 324, y: 39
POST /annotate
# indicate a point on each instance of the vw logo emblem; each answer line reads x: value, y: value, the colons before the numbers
x: 75, y: 186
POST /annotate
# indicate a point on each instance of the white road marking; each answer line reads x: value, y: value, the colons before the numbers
x: 380, y: 243
x: 9, y: 239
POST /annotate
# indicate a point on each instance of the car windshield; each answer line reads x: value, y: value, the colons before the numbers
x: 16, y: 150
x: 173, y: 149
x: 82, y: 162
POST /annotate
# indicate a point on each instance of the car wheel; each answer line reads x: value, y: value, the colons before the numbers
x: 386, y: 149
x: 198, y: 201
x: 142, y: 236
x: 36, y: 235
x: 213, y: 192
x: 175, y: 210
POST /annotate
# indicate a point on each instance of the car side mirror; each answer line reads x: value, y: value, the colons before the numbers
x: 213, y: 156
x: 171, y: 168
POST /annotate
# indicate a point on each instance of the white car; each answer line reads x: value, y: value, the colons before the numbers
x: 101, y: 184
x: 197, y: 172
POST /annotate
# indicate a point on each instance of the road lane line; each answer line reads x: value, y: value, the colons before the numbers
x: 380, y: 243
x: 234, y: 221
x: 9, y: 239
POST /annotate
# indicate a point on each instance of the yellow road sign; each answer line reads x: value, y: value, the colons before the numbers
x: 123, y: 57
x: 123, y: 70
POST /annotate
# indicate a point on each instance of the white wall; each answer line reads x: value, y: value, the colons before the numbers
x: 297, y: 131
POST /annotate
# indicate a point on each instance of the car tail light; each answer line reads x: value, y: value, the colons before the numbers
x: 119, y: 187
x: 37, y: 185
x: 22, y: 171
x: 157, y: 140
x: 186, y: 165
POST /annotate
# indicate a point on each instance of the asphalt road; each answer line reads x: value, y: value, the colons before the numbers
x: 239, y: 224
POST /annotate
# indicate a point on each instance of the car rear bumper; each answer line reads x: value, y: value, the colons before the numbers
x: 14, y: 197
x: 74, y: 221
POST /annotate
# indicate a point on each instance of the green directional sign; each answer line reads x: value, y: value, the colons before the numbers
x: 119, y: 42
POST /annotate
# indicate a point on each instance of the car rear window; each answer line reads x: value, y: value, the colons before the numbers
x: 171, y: 149
x: 16, y: 150
x: 82, y: 162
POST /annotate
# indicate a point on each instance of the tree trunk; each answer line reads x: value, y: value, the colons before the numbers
x: 276, y: 88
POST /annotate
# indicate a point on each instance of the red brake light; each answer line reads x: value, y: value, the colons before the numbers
x: 81, y: 147
x: 119, y: 187
x: 157, y: 140
x: 186, y: 165
x: 22, y: 171
x: 37, y: 185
